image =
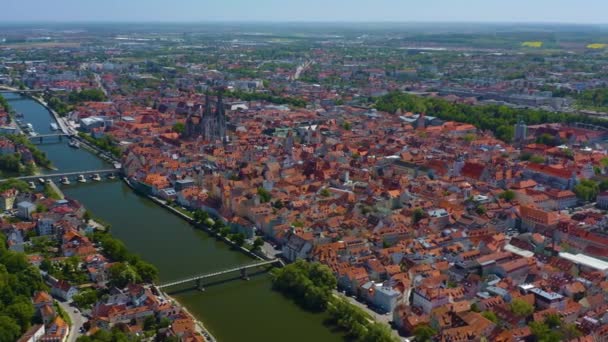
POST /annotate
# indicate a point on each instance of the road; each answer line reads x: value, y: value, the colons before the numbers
x: 301, y: 68
x: 77, y: 320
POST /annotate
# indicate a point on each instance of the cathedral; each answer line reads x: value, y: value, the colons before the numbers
x: 208, y: 124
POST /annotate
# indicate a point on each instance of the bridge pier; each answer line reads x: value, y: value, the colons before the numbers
x: 199, y: 285
x: 244, y: 274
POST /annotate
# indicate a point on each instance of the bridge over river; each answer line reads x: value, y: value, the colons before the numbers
x: 101, y: 172
x: 199, y: 278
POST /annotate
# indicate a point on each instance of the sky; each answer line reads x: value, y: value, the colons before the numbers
x: 558, y: 11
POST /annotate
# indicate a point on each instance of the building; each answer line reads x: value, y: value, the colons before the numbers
x: 602, y: 200
x: 546, y: 300
x: 62, y: 289
x: 25, y: 210
x: 521, y: 132
x: 533, y: 218
x: 33, y: 334
x: 90, y: 123
x: 205, y: 124
x: 386, y: 298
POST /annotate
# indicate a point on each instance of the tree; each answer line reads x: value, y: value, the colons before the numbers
x: 122, y: 274
x: 536, y: 159
x: 87, y: 216
x: 542, y: 333
x: 521, y: 308
x: 257, y: 244
x: 587, y: 190
x: 179, y: 127
x: 224, y: 231
x: 417, y: 215
x: 239, y: 239
x: 424, y: 333
x: 9, y: 329
x: 85, y: 299
x: 265, y: 196
x: 377, y: 332
x: 490, y: 315
x: 146, y: 271
x: 507, y: 195
x: 22, y: 312
x: 200, y: 215
x: 149, y: 323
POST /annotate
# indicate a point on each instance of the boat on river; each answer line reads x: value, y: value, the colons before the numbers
x: 65, y: 180
x: 41, y: 180
x: 81, y: 179
x: 54, y: 126
x: 32, y: 185
x: 96, y: 177
x: 74, y: 143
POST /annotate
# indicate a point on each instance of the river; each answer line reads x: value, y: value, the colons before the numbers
x: 233, y: 310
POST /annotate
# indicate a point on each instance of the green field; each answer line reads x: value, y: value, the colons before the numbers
x: 532, y: 44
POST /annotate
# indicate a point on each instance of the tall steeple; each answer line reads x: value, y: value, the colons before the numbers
x: 206, y: 120
x: 220, y: 120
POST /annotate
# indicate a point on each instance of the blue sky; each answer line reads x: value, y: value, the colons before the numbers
x: 567, y: 11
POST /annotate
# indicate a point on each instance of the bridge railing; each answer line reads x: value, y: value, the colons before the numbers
x: 217, y: 273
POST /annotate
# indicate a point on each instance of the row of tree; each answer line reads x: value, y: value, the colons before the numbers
x: 496, y: 118
x: 129, y: 268
x: 39, y: 157
x: 311, y: 285
x: 105, y: 143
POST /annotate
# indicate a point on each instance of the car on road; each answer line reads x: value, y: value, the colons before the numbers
x: 76, y: 311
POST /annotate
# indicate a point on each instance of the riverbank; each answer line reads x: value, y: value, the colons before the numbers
x: 200, y: 327
x: 195, y: 224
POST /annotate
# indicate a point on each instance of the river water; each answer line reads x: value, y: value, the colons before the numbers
x: 233, y: 310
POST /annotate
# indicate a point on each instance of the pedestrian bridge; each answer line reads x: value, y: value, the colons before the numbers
x: 198, y: 279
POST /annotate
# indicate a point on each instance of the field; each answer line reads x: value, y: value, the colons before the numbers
x: 532, y: 44
x: 597, y: 46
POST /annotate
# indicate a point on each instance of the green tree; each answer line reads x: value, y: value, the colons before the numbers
x: 179, y: 127
x: 22, y: 312
x: 587, y: 190
x: 122, y: 274
x: 85, y: 299
x: 417, y: 215
x: 508, y: 195
x: 239, y: 239
x: 325, y: 192
x: 521, y: 308
x: 264, y: 195
x: 424, y: 333
x: 257, y: 244
x: 490, y: 315
x: 9, y: 329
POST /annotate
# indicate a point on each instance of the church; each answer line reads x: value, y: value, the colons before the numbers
x: 208, y: 124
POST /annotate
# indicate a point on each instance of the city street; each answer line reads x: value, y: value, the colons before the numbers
x: 77, y: 320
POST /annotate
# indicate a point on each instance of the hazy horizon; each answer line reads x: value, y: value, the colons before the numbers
x: 310, y: 11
